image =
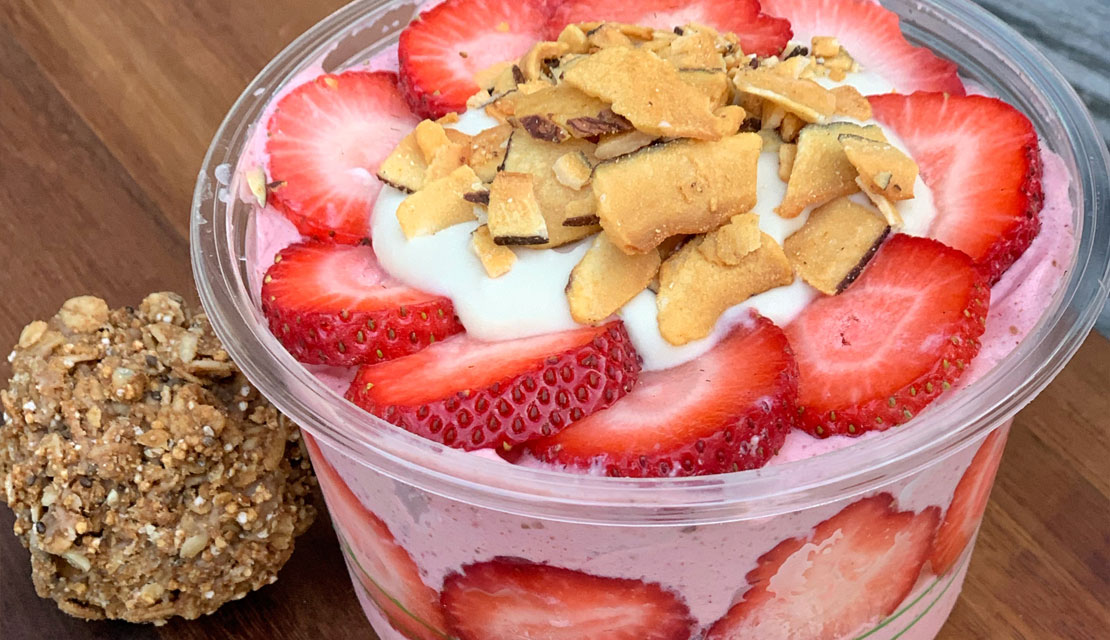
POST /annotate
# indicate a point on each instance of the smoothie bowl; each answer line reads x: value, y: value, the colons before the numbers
x: 533, y: 450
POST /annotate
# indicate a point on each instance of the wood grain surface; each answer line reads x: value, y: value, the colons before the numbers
x: 106, y: 110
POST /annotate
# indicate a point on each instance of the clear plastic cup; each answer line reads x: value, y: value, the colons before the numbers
x: 412, y: 514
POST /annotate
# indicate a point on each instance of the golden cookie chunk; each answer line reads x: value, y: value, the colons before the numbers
x: 404, y: 168
x: 694, y: 49
x: 440, y: 204
x: 487, y: 151
x: 804, y: 98
x: 835, y: 244
x: 430, y: 136
x: 619, y: 144
x: 607, y: 35
x: 730, y: 243
x: 851, y: 103
x: 694, y: 291
x: 499, y: 78
x: 558, y: 202
x: 496, y: 259
x: 606, y: 279
x: 884, y: 167
x: 683, y: 186
x: 771, y: 139
x: 792, y: 67
x: 574, y: 38
x: 714, y: 84
x: 787, y: 153
x: 514, y: 212
x: 885, y: 206
x: 730, y: 117
x: 821, y: 170
x: 646, y: 90
x: 573, y: 170
x: 825, y: 46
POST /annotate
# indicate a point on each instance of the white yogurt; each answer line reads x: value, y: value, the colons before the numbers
x: 530, y: 299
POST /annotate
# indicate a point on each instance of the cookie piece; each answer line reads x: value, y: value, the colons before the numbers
x: 148, y: 478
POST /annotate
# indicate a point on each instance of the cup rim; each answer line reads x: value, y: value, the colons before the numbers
x: 1043, y: 94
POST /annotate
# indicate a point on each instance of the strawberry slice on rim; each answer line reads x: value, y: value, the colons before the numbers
x: 759, y: 33
x: 872, y: 36
x: 333, y: 304
x: 326, y: 141
x: 728, y: 410
x: 510, y: 599
x: 981, y: 158
x: 854, y: 569
x: 385, y: 570
x: 877, y: 354
x: 442, y: 49
x: 469, y: 394
x: 968, y: 503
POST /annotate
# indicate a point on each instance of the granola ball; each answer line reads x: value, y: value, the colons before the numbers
x: 148, y: 478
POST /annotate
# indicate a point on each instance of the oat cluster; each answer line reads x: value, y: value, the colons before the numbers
x: 148, y: 478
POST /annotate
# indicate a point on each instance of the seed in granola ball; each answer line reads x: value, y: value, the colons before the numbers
x: 140, y: 486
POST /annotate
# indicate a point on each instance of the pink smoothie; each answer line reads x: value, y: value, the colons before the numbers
x: 706, y: 565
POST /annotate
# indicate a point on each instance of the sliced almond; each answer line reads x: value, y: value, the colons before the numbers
x: 884, y: 167
x: 606, y: 279
x: 440, y: 204
x: 514, y: 213
x: 787, y: 153
x: 573, y: 170
x: 821, y: 170
x: 496, y: 259
x: 694, y: 291
x: 729, y: 244
x: 678, y: 187
x: 558, y: 202
x: 714, y: 84
x: 404, y: 168
x: 533, y: 64
x: 885, y: 206
x: 646, y: 90
x: 560, y: 111
x: 487, y: 151
x: 804, y: 98
x: 835, y: 244
x: 851, y: 103
x: 619, y: 144
x: 791, y: 125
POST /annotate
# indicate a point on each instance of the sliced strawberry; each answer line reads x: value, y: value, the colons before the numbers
x: 875, y: 355
x: 326, y: 140
x: 385, y: 570
x: 471, y: 395
x: 872, y: 36
x: 968, y: 503
x: 511, y: 599
x: 853, y: 570
x: 981, y: 159
x: 728, y: 410
x: 759, y: 33
x: 444, y: 47
x: 333, y: 304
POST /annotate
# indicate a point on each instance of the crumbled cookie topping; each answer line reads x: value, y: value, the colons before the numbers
x: 653, y: 138
x: 148, y: 478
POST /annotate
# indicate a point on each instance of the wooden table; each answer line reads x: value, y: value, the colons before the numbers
x: 106, y: 109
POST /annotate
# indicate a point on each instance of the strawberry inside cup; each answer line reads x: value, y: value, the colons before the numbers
x: 762, y: 240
